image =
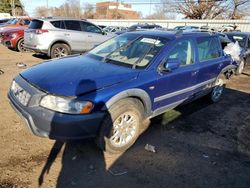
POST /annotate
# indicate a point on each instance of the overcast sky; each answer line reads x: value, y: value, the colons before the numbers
x: 138, y: 5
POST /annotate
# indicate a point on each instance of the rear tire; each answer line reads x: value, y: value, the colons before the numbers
x: 19, y: 46
x: 121, y: 126
x: 216, y: 94
x: 59, y: 50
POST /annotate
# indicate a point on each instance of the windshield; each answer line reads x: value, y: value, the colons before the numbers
x: 131, y: 50
x: 241, y: 39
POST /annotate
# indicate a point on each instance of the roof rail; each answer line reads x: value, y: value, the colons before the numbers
x: 178, y: 33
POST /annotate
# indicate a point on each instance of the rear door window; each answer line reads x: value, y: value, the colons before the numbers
x: 208, y: 48
x: 58, y: 24
x: 72, y: 25
x: 36, y: 24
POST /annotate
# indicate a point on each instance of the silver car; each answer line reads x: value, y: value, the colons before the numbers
x: 61, y: 37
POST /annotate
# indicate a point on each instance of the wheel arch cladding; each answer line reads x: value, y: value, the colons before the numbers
x: 132, y: 93
x: 58, y: 42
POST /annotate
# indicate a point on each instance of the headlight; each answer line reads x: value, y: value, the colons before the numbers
x: 66, y: 105
x: 13, y: 35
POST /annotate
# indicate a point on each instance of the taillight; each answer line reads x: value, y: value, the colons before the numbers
x: 41, y: 31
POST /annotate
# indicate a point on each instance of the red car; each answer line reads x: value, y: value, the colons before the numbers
x: 17, y: 22
x: 13, y: 38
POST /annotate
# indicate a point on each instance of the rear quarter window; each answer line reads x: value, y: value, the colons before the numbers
x: 36, y: 24
x: 208, y: 48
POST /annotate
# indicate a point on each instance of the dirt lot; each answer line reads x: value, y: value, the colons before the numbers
x: 198, y: 145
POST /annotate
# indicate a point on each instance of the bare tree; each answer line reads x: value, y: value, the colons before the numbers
x: 88, y: 11
x: 196, y: 9
x: 207, y: 9
x: 160, y: 14
x: 42, y: 11
x: 239, y: 9
x: 71, y: 8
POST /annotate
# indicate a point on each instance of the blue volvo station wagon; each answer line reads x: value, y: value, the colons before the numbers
x: 110, y: 91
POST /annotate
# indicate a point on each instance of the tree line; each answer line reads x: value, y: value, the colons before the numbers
x: 5, y: 7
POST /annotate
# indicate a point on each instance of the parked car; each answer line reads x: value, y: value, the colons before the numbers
x: 7, y: 22
x: 3, y: 21
x: 2, y: 33
x: 114, y: 29
x: 13, y: 38
x: 139, y: 27
x: 17, y: 22
x: 102, y: 26
x: 63, y: 36
x: 244, y: 42
x: 186, y: 27
x: 108, y: 92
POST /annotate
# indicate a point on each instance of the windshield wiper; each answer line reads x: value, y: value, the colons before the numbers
x: 121, y: 48
x: 142, y: 57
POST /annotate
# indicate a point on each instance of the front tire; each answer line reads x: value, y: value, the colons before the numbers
x: 121, y: 126
x: 59, y: 50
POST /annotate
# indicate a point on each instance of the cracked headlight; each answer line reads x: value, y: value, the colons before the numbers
x: 66, y: 105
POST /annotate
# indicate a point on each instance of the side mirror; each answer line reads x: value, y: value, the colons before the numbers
x: 171, y: 64
x: 104, y: 32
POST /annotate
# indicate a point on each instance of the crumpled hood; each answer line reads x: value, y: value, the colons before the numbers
x: 74, y: 76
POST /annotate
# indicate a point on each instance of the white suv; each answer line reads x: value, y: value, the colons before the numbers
x: 61, y: 37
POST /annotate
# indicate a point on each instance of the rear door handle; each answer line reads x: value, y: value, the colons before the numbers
x: 90, y: 36
x: 66, y: 34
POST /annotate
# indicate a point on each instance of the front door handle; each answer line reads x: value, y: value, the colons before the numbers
x: 195, y: 72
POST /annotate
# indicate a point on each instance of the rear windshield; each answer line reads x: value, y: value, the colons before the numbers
x: 36, y: 24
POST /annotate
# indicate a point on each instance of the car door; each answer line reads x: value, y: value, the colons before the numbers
x: 94, y: 34
x: 210, y: 61
x: 175, y: 86
x: 75, y: 35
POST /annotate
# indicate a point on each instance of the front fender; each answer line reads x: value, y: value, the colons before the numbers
x: 136, y: 93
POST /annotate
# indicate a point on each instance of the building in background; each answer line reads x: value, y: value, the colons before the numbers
x: 115, y: 10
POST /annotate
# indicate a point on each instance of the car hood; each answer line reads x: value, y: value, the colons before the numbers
x: 5, y: 29
x: 12, y: 30
x: 76, y: 75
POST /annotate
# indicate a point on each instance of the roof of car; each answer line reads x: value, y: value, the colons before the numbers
x: 173, y: 34
x: 238, y: 33
x: 58, y: 18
